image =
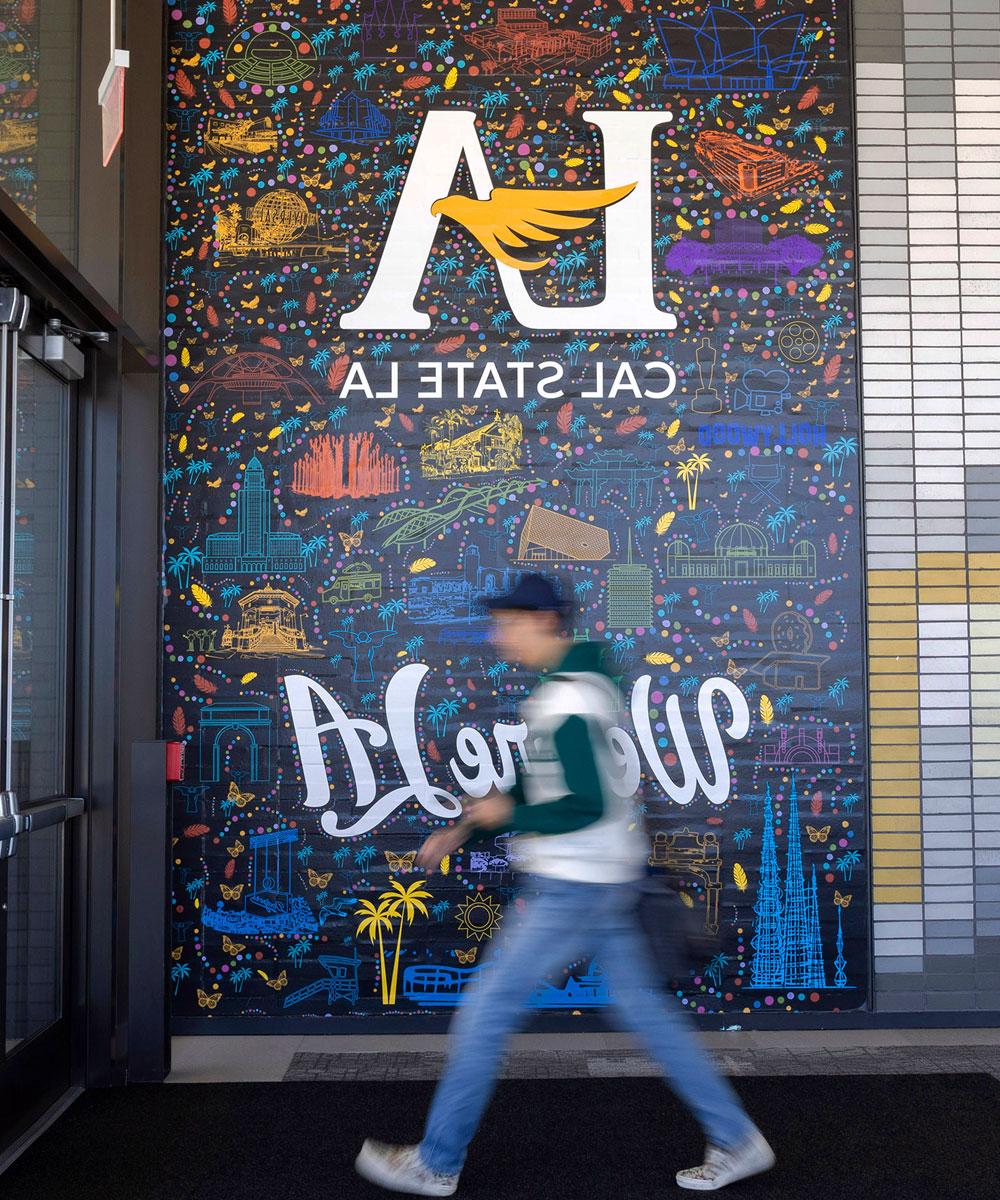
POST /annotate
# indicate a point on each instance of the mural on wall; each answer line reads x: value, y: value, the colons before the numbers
x: 460, y: 290
x: 19, y: 36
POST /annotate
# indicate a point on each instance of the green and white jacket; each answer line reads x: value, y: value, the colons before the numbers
x: 569, y: 821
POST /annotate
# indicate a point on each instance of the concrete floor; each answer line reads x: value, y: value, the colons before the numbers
x: 272, y: 1059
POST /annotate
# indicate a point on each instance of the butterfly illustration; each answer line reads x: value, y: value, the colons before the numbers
x: 403, y: 863
x: 783, y: 124
x: 300, y: 512
x: 297, y: 362
x: 231, y: 893
x: 749, y: 347
x: 826, y: 109
x: 677, y: 447
x: 351, y: 541
x: 581, y: 93
x: 236, y: 849
x: 197, y: 368
x: 277, y: 984
x: 207, y: 1001
x: 317, y: 880
x: 818, y: 835
x: 722, y: 641
x: 736, y: 672
x: 634, y: 412
x: 731, y: 377
x: 842, y: 901
x: 176, y: 953
x: 467, y: 956
x: 232, y: 947
x: 240, y: 799
x: 317, y: 425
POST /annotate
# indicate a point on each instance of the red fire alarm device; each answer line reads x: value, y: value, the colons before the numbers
x: 175, y: 762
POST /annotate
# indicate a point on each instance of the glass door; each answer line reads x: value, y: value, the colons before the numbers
x: 36, y: 811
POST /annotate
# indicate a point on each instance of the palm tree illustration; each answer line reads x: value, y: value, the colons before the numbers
x: 622, y: 646
x: 496, y: 672
x: 179, y: 972
x: 837, y: 690
x: 845, y: 447
x: 375, y: 921
x: 741, y: 837
x: 716, y: 968
x: 341, y: 855
x: 388, y: 612
x: 765, y: 599
x: 779, y: 521
x: 581, y: 589
x: 477, y: 279
x: 240, y: 977
x: 413, y: 645
x: 171, y: 479
x: 846, y: 863
x: 669, y: 600
x: 405, y: 902
x: 689, y: 684
x: 440, y: 909
x: 848, y: 802
x: 364, y: 856
x: 336, y: 415
x: 691, y: 471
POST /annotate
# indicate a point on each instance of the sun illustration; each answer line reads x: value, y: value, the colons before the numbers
x: 478, y: 917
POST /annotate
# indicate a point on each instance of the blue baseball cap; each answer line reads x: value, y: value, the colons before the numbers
x: 533, y: 593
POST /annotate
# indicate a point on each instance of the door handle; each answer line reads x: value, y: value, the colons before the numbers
x: 11, y: 824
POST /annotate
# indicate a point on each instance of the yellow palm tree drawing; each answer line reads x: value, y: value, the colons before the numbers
x: 691, y: 471
x: 403, y: 904
x: 373, y: 922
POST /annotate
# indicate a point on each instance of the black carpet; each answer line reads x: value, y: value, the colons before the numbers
x: 848, y: 1137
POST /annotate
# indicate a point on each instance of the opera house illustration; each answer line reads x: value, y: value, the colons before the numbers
x: 741, y: 551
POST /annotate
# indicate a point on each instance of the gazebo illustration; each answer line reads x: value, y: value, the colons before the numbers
x: 221, y: 721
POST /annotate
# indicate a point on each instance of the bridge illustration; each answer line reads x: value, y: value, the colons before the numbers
x: 412, y: 526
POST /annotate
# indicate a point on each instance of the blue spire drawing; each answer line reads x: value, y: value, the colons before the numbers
x: 815, y: 969
x: 840, y: 962
x: 767, y: 967
x: 803, y: 961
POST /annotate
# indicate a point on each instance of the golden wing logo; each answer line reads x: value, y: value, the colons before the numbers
x: 231, y: 893
x: 317, y: 880
x: 240, y: 799
x: 277, y: 984
x: 207, y: 1001
x: 403, y: 863
x: 818, y: 835
x: 526, y: 218
x: 232, y: 947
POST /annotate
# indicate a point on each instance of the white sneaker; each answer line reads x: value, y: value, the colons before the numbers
x: 400, y: 1169
x: 722, y: 1167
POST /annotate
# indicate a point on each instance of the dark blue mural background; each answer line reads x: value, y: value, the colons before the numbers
x: 331, y: 514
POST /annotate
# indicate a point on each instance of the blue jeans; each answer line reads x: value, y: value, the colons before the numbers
x: 562, y: 921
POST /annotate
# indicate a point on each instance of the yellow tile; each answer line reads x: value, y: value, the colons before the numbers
x: 892, y: 700
x: 893, y: 646
x: 893, y: 629
x: 938, y: 559
x: 894, y: 737
x: 896, y: 807
x: 984, y: 595
x: 894, y: 770
x: 890, y: 595
x: 891, y: 663
x: 898, y: 895
x: 897, y: 858
x: 897, y: 876
x: 893, y: 717
x: 896, y: 822
x: 896, y: 841
x: 987, y: 560
x: 895, y: 789
x: 944, y: 595
x: 891, y: 577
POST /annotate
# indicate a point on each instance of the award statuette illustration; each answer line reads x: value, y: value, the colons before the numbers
x: 706, y: 398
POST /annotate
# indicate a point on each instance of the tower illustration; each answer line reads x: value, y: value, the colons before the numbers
x: 254, y: 546
x: 796, y: 931
x: 814, y: 967
x: 766, y: 969
x: 630, y: 593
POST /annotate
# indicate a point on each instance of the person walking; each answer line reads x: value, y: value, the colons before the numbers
x: 584, y: 860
